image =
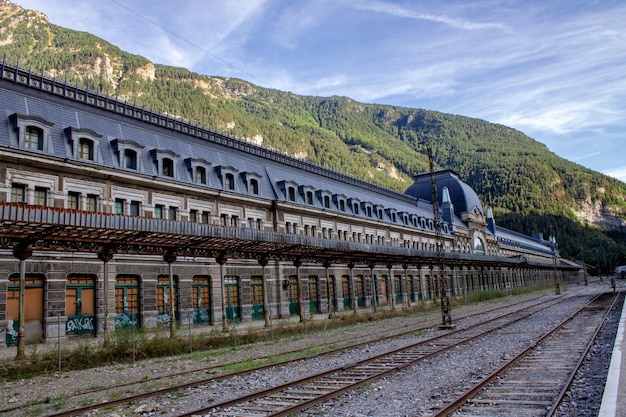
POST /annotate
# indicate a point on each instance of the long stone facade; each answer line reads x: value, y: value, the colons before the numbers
x: 74, y: 151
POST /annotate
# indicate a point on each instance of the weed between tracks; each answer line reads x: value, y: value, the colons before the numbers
x: 125, y: 346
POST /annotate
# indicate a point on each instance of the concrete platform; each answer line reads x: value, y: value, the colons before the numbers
x: 614, y: 397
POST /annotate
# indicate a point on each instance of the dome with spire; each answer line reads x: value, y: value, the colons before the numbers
x: 462, y: 196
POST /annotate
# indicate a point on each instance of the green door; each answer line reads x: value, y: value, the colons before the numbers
x: 313, y: 299
x: 231, y: 297
x: 126, y: 301
x: 201, y: 299
x: 294, y: 304
x: 345, y: 286
x: 80, y: 302
x: 256, y: 289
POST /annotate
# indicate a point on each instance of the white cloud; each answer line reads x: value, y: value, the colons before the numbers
x: 619, y: 173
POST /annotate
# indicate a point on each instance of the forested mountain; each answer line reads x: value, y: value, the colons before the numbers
x: 529, y: 188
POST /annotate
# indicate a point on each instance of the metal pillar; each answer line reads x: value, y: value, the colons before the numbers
x: 105, y: 254
x: 298, y: 263
x: 373, y: 290
x: 352, y: 292
x: 170, y: 258
x: 22, y: 251
x: 331, y: 301
x: 392, y: 286
x: 405, y: 292
x: 221, y: 260
x: 266, y: 308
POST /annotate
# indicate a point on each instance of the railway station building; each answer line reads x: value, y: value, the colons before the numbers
x: 113, y: 215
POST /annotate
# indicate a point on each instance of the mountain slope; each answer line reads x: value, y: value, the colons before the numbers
x: 516, y: 175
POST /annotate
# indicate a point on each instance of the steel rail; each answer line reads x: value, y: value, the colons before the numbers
x: 473, y: 391
x: 349, y: 377
x: 162, y: 391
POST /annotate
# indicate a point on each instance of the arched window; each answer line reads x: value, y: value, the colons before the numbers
x: 33, y: 138
x: 254, y: 186
x: 479, y: 246
x: 168, y: 168
x: 230, y: 181
x: 85, y: 149
x: 201, y: 175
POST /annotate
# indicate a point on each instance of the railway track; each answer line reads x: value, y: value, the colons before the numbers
x: 534, y: 382
x: 198, y: 377
x: 295, y: 396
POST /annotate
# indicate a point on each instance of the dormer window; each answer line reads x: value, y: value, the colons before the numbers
x: 200, y: 175
x: 129, y: 153
x: 340, y: 201
x: 308, y: 194
x: 33, y: 132
x: 33, y: 138
x: 254, y: 186
x: 167, y: 167
x: 288, y: 188
x: 229, y: 181
x: 198, y: 169
x: 253, y: 181
x: 324, y: 198
x: 85, y: 149
x: 165, y: 162
x: 130, y: 159
x: 84, y: 143
x: 227, y: 175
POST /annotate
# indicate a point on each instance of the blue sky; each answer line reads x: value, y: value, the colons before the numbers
x: 556, y: 70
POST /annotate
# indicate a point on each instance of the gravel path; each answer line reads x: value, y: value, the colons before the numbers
x: 411, y: 392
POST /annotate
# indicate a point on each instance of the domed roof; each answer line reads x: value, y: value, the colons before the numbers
x: 462, y: 196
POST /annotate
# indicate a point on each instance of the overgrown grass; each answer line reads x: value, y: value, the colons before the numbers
x: 119, y: 349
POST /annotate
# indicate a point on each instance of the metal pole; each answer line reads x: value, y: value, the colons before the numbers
x: 221, y: 260
x: 22, y: 252
x: 59, y: 341
x: 170, y: 258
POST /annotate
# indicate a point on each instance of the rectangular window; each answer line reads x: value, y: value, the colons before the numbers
x: 234, y: 221
x: 118, y: 206
x: 193, y: 216
x: 41, y: 196
x: 134, y: 208
x: 92, y: 202
x: 171, y: 213
x: 130, y: 159
x: 73, y: 200
x: 158, y: 211
x: 205, y: 217
x: 224, y: 219
x: 18, y: 193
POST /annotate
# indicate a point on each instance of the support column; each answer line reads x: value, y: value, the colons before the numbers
x: 266, y: 308
x: 374, y: 289
x: 406, y: 297
x: 352, y: 292
x: 105, y: 254
x: 170, y: 258
x: 221, y: 260
x: 22, y: 251
x: 331, y: 301
x: 392, y: 285
x: 298, y: 263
